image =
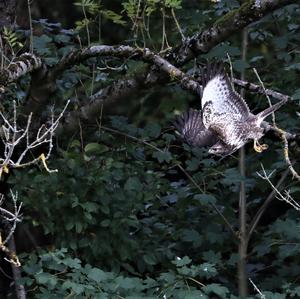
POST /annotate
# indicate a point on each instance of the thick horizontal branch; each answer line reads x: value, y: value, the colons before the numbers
x: 21, y: 65
x: 223, y: 28
x: 122, y: 51
x: 40, y: 93
x: 259, y: 89
x: 278, y: 132
x: 123, y: 88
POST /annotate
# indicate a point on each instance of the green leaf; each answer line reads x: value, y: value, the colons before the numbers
x: 192, y: 164
x: 133, y: 184
x: 207, y: 270
x: 150, y: 259
x: 40, y: 44
x: 95, y: 148
x: 72, y: 263
x: 164, y: 156
x: 97, y: 275
x: 77, y: 288
x: 192, y: 294
x: 176, y: 4
x: 271, y: 295
x: 205, y: 199
x: 152, y: 130
x: 46, y: 278
x: 111, y: 15
x: 191, y: 235
x: 180, y: 262
x: 240, y: 65
x: 216, y: 289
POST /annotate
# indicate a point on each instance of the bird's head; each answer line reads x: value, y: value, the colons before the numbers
x: 220, y: 149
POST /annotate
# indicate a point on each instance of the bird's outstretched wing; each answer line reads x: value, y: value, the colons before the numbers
x: 192, y: 130
x: 219, y: 100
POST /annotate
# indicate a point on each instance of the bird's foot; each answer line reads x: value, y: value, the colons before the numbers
x: 259, y: 147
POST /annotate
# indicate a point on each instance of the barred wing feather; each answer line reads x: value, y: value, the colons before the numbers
x: 191, y: 128
x: 219, y: 98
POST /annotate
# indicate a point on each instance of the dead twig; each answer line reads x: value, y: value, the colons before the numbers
x: 12, y: 136
x: 283, y: 196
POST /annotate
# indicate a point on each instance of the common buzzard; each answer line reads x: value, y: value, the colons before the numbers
x: 225, y: 122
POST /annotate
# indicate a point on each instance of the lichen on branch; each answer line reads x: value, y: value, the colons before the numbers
x: 20, y: 66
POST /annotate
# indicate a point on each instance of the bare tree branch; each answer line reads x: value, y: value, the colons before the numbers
x: 123, y: 88
x: 231, y: 23
x: 286, y: 154
x: 10, y: 220
x: 12, y: 137
x: 263, y: 208
x: 19, y: 67
x: 259, y: 89
x: 285, y: 196
x: 249, y: 12
x: 20, y: 289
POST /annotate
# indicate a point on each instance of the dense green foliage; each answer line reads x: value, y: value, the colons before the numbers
x: 132, y: 211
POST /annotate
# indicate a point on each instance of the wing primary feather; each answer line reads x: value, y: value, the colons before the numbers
x: 191, y: 128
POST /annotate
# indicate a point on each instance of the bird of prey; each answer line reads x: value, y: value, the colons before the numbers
x: 224, y: 123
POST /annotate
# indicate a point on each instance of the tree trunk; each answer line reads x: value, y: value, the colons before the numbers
x: 243, y: 244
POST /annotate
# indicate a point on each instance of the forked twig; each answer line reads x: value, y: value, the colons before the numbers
x: 262, y: 296
x: 267, y: 96
x: 285, y: 196
x: 12, y: 137
x: 11, y: 219
x: 281, y: 133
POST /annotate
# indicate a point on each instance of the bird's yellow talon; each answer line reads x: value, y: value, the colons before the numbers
x: 259, y: 148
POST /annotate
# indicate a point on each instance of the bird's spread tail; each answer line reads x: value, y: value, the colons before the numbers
x: 262, y: 115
